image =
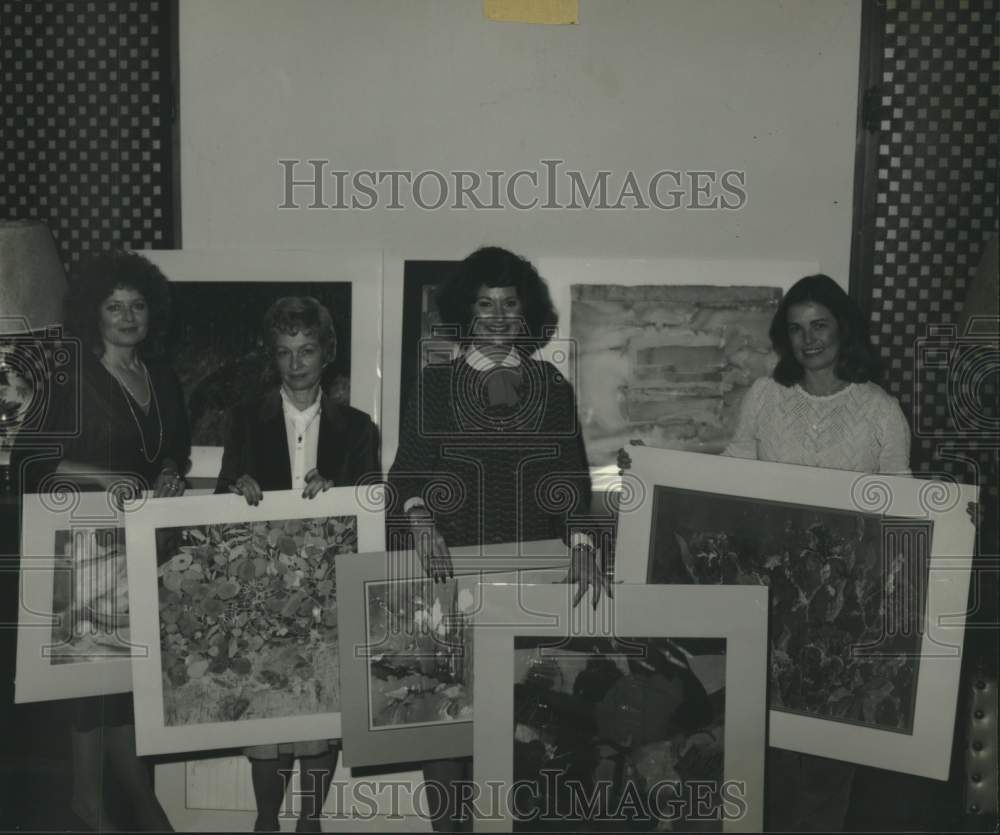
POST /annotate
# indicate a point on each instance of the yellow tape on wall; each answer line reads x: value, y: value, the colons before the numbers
x: 533, y: 11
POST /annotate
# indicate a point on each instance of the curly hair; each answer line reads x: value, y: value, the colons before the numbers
x: 857, y: 361
x: 300, y: 314
x: 96, y: 278
x: 493, y: 266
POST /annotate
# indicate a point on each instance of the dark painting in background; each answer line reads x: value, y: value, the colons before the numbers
x: 846, y: 620
x: 420, y: 316
x: 617, y: 720
x: 215, y: 344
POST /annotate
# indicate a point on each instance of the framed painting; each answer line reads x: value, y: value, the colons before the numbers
x: 406, y: 648
x: 74, y: 635
x: 869, y: 578
x: 239, y: 615
x: 218, y: 301
x: 663, y: 350
x: 410, y: 316
x: 646, y: 713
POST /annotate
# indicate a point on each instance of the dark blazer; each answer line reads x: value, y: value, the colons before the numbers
x: 257, y: 445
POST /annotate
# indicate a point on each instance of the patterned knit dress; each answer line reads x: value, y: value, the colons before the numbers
x: 496, y: 455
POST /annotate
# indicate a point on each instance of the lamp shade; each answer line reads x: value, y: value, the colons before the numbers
x: 32, y: 279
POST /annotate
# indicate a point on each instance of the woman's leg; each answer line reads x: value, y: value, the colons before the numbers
x: 134, y: 777
x: 315, y: 776
x: 269, y: 789
x: 443, y: 803
x: 88, y: 779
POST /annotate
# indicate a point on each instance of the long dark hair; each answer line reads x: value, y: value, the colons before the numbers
x: 857, y: 361
x: 494, y: 266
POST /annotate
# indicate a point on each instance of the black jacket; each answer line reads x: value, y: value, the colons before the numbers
x: 257, y: 445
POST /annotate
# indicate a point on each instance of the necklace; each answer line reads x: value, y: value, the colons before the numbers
x: 129, y: 397
x: 143, y: 404
x: 301, y: 431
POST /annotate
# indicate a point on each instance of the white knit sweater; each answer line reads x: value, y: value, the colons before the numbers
x: 859, y: 428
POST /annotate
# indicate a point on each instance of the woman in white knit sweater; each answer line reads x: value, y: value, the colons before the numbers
x: 822, y: 407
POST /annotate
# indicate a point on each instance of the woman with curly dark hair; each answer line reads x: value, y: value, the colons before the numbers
x: 496, y: 432
x: 133, y: 436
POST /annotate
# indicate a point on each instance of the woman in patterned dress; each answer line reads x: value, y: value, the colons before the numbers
x: 498, y: 430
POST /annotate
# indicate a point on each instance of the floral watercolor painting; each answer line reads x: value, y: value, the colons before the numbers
x: 248, y: 618
x: 420, y: 651
x: 846, y: 610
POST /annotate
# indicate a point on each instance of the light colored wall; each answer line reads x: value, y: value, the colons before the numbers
x: 765, y: 86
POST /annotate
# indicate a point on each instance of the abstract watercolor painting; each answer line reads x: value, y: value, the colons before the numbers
x: 667, y: 365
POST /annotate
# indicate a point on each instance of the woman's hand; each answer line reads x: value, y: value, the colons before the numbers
x: 430, y: 545
x: 585, y: 572
x: 247, y: 487
x: 315, y: 484
x: 975, y: 513
x: 124, y: 488
x: 168, y: 483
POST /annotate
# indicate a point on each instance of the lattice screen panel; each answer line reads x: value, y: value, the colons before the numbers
x: 85, y: 108
x: 936, y: 210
